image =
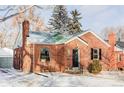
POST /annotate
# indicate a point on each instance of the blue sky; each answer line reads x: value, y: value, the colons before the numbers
x: 97, y: 17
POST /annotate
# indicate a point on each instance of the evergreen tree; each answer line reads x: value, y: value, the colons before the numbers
x: 74, y: 26
x: 59, y: 20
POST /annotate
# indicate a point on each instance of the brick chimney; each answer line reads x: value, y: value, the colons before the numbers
x: 112, y: 54
x: 25, y: 32
x: 112, y: 39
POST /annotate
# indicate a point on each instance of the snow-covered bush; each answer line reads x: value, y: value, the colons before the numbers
x: 95, y: 67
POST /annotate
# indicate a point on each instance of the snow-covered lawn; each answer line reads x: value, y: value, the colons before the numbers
x: 14, y: 78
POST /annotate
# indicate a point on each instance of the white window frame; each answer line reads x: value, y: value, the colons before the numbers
x: 119, y: 57
x: 44, y: 60
x: 96, y: 54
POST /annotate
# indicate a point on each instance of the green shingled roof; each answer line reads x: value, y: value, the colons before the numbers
x: 44, y: 37
x: 49, y: 38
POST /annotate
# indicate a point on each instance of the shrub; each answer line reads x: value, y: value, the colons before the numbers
x: 95, y: 67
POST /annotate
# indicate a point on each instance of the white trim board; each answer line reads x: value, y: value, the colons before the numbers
x: 77, y: 39
x: 95, y: 36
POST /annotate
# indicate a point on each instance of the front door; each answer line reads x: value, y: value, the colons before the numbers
x: 75, y: 58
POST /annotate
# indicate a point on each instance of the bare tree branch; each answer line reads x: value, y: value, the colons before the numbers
x: 4, y: 9
x: 8, y: 12
x: 15, y: 14
x: 12, y: 15
x: 38, y: 7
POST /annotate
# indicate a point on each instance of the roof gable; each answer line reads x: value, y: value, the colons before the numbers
x: 77, y: 39
x: 98, y: 37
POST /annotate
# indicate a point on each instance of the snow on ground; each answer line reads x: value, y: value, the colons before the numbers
x: 15, y: 78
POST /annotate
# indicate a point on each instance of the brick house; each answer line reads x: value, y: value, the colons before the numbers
x: 47, y: 51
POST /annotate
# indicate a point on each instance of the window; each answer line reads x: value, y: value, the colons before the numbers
x: 45, y: 54
x: 95, y: 53
x: 119, y: 58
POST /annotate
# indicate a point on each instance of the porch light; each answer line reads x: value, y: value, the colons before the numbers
x: 77, y: 45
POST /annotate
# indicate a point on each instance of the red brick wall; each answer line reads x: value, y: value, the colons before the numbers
x: 94, y: 42
x: 27, y: 58
x: 17, y: 58
x: 56, y: 62
x: 112, y: 39
x: 83, y: 53
x: 59, y: 59
x: 25, y: 32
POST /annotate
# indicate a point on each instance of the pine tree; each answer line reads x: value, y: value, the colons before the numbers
x: 74, y: 26
x: 59, y: 20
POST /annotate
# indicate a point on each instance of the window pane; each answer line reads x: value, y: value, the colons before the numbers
x: 44, y: 54
x: 95, y: 53
x: 95, y: 56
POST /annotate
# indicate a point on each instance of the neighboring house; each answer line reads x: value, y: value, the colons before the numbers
x: 46, y: 51
x: 118, y: 48
x: 120, y: 54
x: 6, y: 58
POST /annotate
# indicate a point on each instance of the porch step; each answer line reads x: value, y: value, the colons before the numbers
x: 73, y: 71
